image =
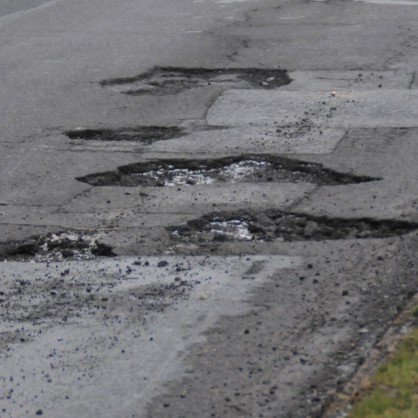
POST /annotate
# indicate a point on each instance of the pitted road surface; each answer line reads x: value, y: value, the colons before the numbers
x: 208, y: 208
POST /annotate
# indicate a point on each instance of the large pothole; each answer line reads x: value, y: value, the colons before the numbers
x: 173, y: 80
x: 144, y: 134
x: 246, y: 168
x: 69, y: 245
x: 278, y: 225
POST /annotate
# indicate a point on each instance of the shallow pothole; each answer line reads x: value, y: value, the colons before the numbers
x: 144, y: 134
x: 74, y: 245
x: 245, y: 168
x: 173, y: 80
x: 278, y: 225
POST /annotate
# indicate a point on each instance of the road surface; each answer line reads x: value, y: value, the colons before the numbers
x: 207, y: 207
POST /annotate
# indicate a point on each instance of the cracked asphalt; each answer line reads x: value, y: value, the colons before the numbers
x: 208, y: 208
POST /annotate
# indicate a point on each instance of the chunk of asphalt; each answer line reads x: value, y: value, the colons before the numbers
x: 144, y: 134
x: 244, y: 168
x: 274, y: 224
x: 173, y: 80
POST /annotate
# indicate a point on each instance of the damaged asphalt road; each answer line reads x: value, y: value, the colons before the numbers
x: 207, y: 209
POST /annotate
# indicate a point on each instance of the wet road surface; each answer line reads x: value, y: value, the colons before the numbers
x: 207, y: 208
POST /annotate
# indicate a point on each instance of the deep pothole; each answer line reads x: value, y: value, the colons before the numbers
x: 64, y: 245
x: 143, y: 134
x: 276, y: 225
x: 246, y: 168
x: 173, y: 80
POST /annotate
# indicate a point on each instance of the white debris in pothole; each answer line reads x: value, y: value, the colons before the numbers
x: 244, y: 169
x: 69, y: 246
x: 235, y: 228
x: 171, y: 177
x: 220, y: 230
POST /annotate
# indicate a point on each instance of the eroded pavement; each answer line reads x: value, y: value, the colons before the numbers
x: 225, y: 240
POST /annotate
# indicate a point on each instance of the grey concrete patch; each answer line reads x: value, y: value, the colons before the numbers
x: 334, y: 80
x: 155, y: 310
x: 253, y: 139
x: 131, y: 204
x: 339, y: 109
x: 341, y: 300
x: 25, y: 164
x: 382, y: 152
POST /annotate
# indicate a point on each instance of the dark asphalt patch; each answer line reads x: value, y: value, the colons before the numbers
x: 67, y: 245
x: 144, y: 134
x: 245, y: 168
x: 284, y: 226
x: 173, y: 80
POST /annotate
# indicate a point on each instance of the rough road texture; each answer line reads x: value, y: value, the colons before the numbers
x: 207, y: 209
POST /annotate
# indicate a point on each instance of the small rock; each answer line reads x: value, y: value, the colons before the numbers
x: 67, y: 253
x: 103, y: 250
x: 310, y: 229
